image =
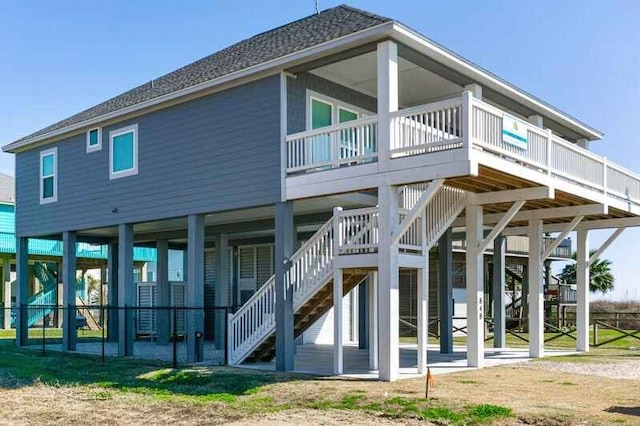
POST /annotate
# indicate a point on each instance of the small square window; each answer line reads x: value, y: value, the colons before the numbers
x: 94, y: 140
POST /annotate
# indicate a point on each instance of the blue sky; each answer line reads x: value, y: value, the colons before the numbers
x: 581, y: 56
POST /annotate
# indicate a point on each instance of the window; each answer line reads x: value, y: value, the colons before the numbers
x: 321, y: 116
x: 345, y: 115
x: 123, y: 152
x: 49, y: 176
x: 325, y: 111
x: 94, y: 140
x: 348, y: 139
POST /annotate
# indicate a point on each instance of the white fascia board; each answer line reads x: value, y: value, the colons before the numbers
x: 273, y: 66
x: 423, y: 45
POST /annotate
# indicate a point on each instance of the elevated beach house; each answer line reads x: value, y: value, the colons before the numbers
x: 328, y: 154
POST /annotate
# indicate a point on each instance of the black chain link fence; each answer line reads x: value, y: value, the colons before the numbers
x: 155, y: 333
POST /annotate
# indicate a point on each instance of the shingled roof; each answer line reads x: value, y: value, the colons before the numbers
x: 290, y: 38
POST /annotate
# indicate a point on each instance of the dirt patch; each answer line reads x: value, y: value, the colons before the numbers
x: 613, y: 370
x: 326, y: 417
x: 538, y: 393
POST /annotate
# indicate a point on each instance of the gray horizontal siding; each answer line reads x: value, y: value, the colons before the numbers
x: 297, y: 98
x: 211, y: 154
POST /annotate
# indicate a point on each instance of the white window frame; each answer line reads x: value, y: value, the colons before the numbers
x: 118, y: 132
x: 316, y: 97
x: 45, y: 153
x: 336, y: 105
x: 98, y: 147
x: 347, y: 109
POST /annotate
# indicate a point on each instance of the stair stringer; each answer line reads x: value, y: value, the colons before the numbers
x: 311, y: 269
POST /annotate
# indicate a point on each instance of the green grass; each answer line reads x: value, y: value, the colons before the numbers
x: 50, y: 334
x: 239, y: 392
x: 432, y: 410
x: 563, y: 342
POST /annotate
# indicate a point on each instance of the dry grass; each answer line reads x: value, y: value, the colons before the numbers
x: 149, y: 394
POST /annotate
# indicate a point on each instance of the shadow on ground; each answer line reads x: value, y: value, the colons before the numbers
x: 629, y: 411
x: 25, y: 367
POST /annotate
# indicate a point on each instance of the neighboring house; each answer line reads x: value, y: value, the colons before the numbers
x: 45, y: 257
x: 349, y: 136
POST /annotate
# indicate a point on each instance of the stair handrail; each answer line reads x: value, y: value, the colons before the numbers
x: 256, y: 318
x: 48, y: 282
x: 311, y: 263
x: 42, y: 305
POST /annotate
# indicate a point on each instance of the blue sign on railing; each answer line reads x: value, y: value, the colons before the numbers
x: 514, y: 132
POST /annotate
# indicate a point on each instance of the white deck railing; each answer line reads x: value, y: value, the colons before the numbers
x: 554, y: 156
x: 442, y: 126
x: 426, y: 128
x: 357, y: 230
x: 353, y: 142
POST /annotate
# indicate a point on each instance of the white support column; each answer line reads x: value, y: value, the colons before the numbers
x: 582, y: 281
x: 536, y: 120
x: 337, y: 322
x: 583, y: 143
x: 423, y: 316
x: 475, y: 287
x: 6, y: 271
x: 387, y: 98
x: 475, y: 89
x: 388, y: 286
x: 536, y: 290
x: 372, y: 294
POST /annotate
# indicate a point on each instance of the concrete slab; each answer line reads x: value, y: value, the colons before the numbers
x: 318, y: 360
x: 148, y: 350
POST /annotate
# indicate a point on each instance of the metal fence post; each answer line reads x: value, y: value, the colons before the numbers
x: 226, y: 336
x: 44, y: 330
x: 595, y: 333
x: 102, y: 317
x: 175, y: 337
x: 126, y: 330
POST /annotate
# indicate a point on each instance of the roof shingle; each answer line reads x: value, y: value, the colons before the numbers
x: 290, y: 38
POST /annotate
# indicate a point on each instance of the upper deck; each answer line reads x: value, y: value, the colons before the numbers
x: 474, y: 145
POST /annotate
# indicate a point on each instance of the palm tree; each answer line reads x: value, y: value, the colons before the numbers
x: 600, y: 277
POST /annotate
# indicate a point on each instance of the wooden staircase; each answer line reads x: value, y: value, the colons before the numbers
x: 425, y: 212
x: 310, y: 312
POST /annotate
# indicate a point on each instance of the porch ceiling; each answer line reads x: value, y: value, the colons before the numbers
x: 489, y: 180
x: 417, y: 85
